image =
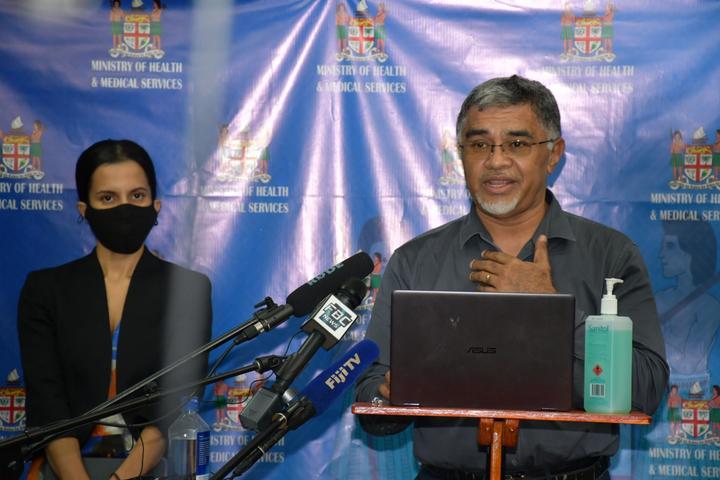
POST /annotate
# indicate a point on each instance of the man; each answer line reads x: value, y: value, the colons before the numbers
x: 380, y: 28
x: 674, y: 415
x: 518, y: 239
x: 567, y: 21
x: 716, y: 155
x: 342, y: 19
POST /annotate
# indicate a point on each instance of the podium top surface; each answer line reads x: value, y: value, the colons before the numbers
x: 632, y: 418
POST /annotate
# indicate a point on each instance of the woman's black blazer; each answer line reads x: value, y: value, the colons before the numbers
x: 65, y: 340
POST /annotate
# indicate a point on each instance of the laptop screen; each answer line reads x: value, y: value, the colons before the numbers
x: 482, y: 350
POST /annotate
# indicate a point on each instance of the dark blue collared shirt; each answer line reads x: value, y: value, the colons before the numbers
x: 582, y: 254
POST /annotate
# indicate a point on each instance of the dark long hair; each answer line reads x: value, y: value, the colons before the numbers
x: 108, y: 152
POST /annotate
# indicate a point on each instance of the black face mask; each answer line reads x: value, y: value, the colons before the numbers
x: 121, y: 229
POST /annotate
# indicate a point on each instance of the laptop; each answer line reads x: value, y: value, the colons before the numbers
x: 481, y: 350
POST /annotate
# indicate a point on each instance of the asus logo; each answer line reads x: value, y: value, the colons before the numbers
x: 482, y: 350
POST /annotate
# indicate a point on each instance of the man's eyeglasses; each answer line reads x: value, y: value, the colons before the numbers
x: 477, y: 149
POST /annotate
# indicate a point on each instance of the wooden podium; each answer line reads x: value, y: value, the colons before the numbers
x: 500, y: 428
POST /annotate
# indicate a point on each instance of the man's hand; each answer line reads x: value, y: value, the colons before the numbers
x: 500, y: 272
x: 384, y: 389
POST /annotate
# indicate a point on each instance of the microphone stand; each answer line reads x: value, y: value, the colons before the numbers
x: 15, y: 450
x: 239, y: 334
x: 296, y: 414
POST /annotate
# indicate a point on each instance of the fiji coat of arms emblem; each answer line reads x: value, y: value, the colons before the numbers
x: 22, y: 151
x: 242, y: 157
x: 452, y: 168
x: 362, y: 36
x: 12, y: 405
x: 234, y: 399
x: 136, y: 33
x: 694, y: 420
x: 695, y: 166
x: 589, y: 37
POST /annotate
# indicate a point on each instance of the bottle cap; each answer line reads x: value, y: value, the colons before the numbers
x: 608, y: 304
x: 190, y: 404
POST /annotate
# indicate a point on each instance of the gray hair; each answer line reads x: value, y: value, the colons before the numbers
x: 510, y: 91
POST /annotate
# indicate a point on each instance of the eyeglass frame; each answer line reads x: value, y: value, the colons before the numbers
x: 461, y: 146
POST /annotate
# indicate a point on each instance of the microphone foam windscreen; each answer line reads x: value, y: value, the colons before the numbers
x: 334, y: 380
x: 307, y: 296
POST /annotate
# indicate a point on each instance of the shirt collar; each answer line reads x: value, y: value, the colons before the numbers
x: 554, y: 224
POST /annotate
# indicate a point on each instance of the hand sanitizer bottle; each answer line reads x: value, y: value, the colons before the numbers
x: 608, y: 357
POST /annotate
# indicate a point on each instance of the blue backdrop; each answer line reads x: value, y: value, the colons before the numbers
x: 290, y: 134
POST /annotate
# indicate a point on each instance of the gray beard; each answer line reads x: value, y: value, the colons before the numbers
x: 498, y: 208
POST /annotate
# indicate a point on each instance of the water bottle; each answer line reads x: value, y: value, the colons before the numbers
x: 189, y: 452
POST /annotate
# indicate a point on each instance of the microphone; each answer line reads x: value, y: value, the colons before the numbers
x: 304, y: 298
x: 338, y: 377
x: 326, y: 326
x: 314, y: 399
x: 307, y: 296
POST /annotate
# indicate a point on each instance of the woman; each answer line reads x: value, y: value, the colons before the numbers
x: 102, y: 323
